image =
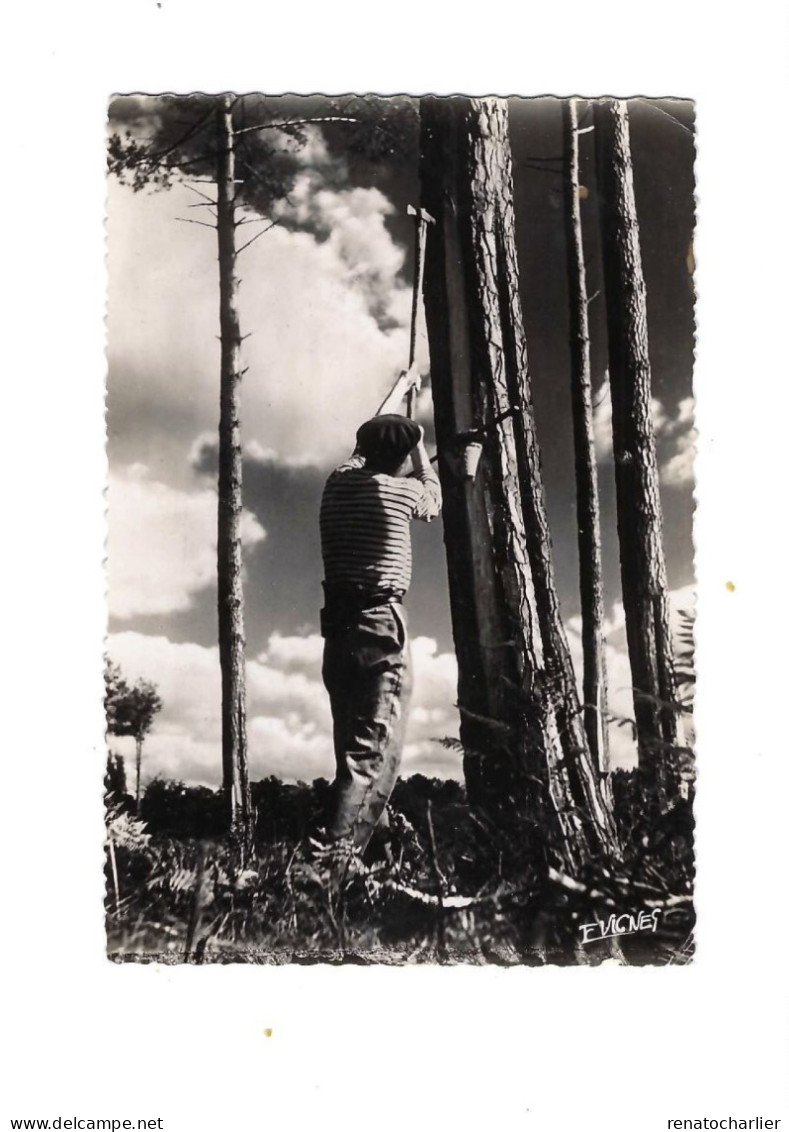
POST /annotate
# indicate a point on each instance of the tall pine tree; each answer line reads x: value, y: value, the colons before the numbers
x: 526, y: 751
x: 639, y: 512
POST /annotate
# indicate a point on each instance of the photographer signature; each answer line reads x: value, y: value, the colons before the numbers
x: 624, y: 924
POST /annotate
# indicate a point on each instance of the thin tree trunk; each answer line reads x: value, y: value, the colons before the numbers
x: 523, y: 755
x: 138, y: 767
x: 587, y: 496
x: 229, y: 584
x: 581, y: 766
x: 644, y: 589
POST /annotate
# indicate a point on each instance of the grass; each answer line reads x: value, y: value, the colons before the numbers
x: 457, y: 890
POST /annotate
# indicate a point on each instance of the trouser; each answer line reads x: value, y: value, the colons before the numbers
x: 367, y: 673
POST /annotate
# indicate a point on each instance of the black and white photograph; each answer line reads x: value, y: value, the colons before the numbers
x: 400, y: 561
x: 394, y: 461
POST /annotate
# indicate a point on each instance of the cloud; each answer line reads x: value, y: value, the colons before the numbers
x: 677, y: 446
x: 295, y: 654
x: 288, y: 726
x: 288, y: 716
x: 433, y: 760
x: 661, y: 422
x: 282, y: 683
x: 294, y: 751
x: 322, y: 299
x: 435, y: 688
x: 674, y: 435
x: 289, y: 729
x: 601, y: 422
x: 351, y: 222
x: 203, y: 457
x: 161, y: 547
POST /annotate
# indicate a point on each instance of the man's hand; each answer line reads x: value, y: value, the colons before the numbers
x: 409, y: 379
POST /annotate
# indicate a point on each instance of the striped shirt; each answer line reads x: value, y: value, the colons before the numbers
x: 365, y: 524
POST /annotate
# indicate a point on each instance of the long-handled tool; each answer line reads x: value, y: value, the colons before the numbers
x: 422, y: 218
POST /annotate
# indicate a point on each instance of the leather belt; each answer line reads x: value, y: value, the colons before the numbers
x: 353, y: 599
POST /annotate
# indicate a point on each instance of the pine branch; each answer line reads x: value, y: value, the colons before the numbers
x: 202, y: 223
x: 293, y: 122
x: 192, y: 189
x: 252, y: 220
x: 157, y: 158
x: 257, y: 236
x: 198, y: 159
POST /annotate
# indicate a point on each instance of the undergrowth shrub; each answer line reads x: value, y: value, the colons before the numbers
x: 459, y: 887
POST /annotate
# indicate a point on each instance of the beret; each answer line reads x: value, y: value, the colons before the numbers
x: 389, y: 437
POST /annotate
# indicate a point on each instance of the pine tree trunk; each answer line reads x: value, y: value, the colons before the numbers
x: 230, y: 597
x: 644, y: 590
x: 138, y: 768
x: 587, y: 496
x: 517, y: 697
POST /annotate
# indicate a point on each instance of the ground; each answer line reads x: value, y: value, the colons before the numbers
x: 455, y: 890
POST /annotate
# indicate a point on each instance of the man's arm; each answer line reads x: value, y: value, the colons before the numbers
x: 430, y: 506
x: 409, y: 378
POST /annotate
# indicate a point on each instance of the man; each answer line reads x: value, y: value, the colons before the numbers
x: 367, y: 507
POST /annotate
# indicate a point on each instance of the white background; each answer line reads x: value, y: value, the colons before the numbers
x: 461, y: 1048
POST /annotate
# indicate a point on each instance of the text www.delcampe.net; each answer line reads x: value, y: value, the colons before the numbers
x: 86, y: 1123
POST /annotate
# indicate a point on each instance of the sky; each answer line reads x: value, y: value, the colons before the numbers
x: 326, y: 298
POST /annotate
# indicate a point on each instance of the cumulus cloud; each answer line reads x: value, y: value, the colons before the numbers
x: 435, y: 685
x: 290, y: 691
x: 351, y: 223
x: 295, y: 654
x: 678, y: 439
x: 289, y: 721
x: 203, y: 456
x: 674, y: 434
x: 162, y: 543
x: 661, y: 421
x: 185, y: 742
x: 322, y: 298
x: 289, y: 748
x: 288, y: 717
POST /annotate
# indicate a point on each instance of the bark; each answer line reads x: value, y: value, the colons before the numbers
x: 587, y: 496
x: 524, y: 754
x: 230, y: 597
x: 639, y: 514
